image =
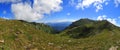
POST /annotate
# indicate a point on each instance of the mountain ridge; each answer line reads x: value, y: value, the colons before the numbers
x: 87, y: 27
x: 22, y: 35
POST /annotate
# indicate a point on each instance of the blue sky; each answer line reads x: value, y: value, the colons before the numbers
x: 60, y: 10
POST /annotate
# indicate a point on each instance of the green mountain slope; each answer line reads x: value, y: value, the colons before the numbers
x: 94, y: 35
x: 21, y: 35
x: 86, y: 27
x: 40, y: 26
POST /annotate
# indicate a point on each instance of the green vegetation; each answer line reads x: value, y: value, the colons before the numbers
x: 84, y: 34
x: 86, y: 27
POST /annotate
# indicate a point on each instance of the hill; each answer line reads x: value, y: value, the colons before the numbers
x: 22, y: 35
x: 40, y: 26
x: 86, y: 27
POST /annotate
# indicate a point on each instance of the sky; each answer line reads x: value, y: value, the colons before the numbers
x: 60, y: 10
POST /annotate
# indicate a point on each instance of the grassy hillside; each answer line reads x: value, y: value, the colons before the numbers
x: 17, y: 35
x: 20, y: 35
x: 93, y: 35
x: 86, y: 27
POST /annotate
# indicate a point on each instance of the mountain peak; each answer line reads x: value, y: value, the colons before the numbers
x: 87, y: 27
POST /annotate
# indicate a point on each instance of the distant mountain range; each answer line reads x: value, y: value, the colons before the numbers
x: 59, y: 26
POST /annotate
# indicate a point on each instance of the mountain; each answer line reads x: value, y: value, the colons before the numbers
x: 40, y: 26
x: 21, y: 35
x: 59, y: 26
x: 94, y: 35
x: 86, y: 27
x: 84, y: 34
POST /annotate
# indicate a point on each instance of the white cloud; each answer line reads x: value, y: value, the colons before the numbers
x: 104, y: 17
x: 4, y: 12
x: 7, y: 1
x: 119, y: 17
x: 4, y: 17
x: 98, y: 7
x: 87, y: 3
x: 106, y: 3
x: 113, y: 21
x: 24, y: 11
x: 98, y: 4
x: 68, y: 14
x: 46, y: 6
x: 117, y: 2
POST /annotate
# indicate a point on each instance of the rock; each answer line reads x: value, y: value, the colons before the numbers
x: 18, y: 32
x: 113, y: 48
x: 2, y: 41
x: 59, y: 47
x: 69, y: 41
x: 50, y: 43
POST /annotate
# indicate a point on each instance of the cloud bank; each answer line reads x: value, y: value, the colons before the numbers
x: 29, y: 11
x: 98, y: 4
x: 87, y: 3
x: 24, y: 11
x: 117, y: 2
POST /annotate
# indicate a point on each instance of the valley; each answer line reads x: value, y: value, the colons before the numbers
x: 84, y: 34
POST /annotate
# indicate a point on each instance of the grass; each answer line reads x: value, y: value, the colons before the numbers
x: 21, y: 36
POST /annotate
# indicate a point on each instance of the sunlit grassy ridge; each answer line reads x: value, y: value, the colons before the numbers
x: 20, y: 35
x: 86, y: 27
